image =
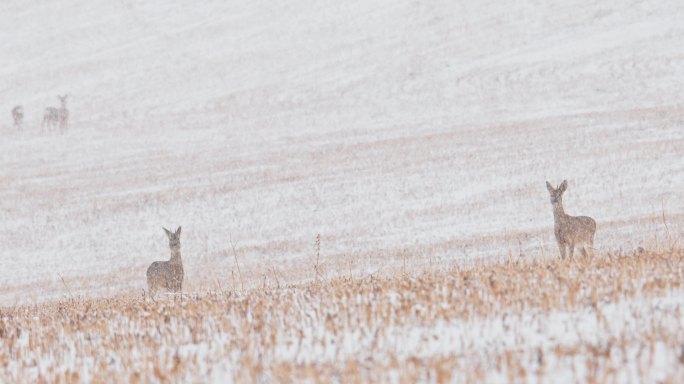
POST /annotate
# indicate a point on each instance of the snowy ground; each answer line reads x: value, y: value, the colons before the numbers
x: 402, y: 132
x: 608, y: 319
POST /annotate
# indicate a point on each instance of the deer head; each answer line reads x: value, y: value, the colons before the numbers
x: 556, y: 194
x: 63, y: 100
x: 174, y: 237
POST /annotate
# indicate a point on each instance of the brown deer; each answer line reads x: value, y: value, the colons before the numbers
x: 167, y: 275
x: 570, y: 231
x: 18, y: 116
x: 53, y: 116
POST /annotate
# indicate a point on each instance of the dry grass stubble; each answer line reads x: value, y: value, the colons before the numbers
x: 430, y: 325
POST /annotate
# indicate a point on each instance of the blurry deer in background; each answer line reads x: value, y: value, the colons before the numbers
x: 570, y: 231
x: 57, y: 116
x: 18, y: 116
x: 167, y: 275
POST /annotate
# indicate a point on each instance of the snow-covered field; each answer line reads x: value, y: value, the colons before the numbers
x: 409, y: 135
x: 610, y: 319
x: 395, y: 129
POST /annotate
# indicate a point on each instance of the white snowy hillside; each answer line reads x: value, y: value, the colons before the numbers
x: 407, y: 134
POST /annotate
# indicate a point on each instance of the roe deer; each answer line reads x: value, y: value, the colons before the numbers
x: 570, y: 231
x: 18, y: 116
x: 167, y: 275
x: 57, y: 116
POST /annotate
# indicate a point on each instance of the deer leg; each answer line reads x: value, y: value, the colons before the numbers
x: 572, y: 250
x: 585, y: 253
x: 561, y: 247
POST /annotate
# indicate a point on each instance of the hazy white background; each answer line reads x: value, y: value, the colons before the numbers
x: 401, y: 131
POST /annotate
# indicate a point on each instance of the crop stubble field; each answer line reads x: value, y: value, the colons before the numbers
x: 414, y: 138
x: 611, y: 318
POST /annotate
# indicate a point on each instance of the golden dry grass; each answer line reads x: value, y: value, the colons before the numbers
x: 431, y: 327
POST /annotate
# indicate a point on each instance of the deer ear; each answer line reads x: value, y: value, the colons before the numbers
x: 168, y: 233
x: 564, y: 185
x: 549, y: 187
x: 178, y: 231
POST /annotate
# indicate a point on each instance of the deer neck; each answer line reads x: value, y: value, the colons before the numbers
x: 558, y: 212
x: 176, y: 256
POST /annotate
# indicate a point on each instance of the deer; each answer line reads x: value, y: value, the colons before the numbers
x: 53, y: 116
x: 18, y: 116
x: 167, y: 275
x: 570, y: 231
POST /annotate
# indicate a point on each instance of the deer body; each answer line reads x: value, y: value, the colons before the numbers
x: 18, y: 116
x: 57, y: 116
x: 571, y: 231
x: 167, y: 275
x: 50, y: 117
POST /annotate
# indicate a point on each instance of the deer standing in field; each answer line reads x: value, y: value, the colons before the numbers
x: 18, y: 116
x: 570, y: 231
x: 167, y: 275
x: 57, y: 116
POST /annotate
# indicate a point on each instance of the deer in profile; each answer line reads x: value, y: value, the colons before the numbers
x: 18, y: 116
x: 570, y: 231
x: 167, y: 275
x: 53, y: 116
